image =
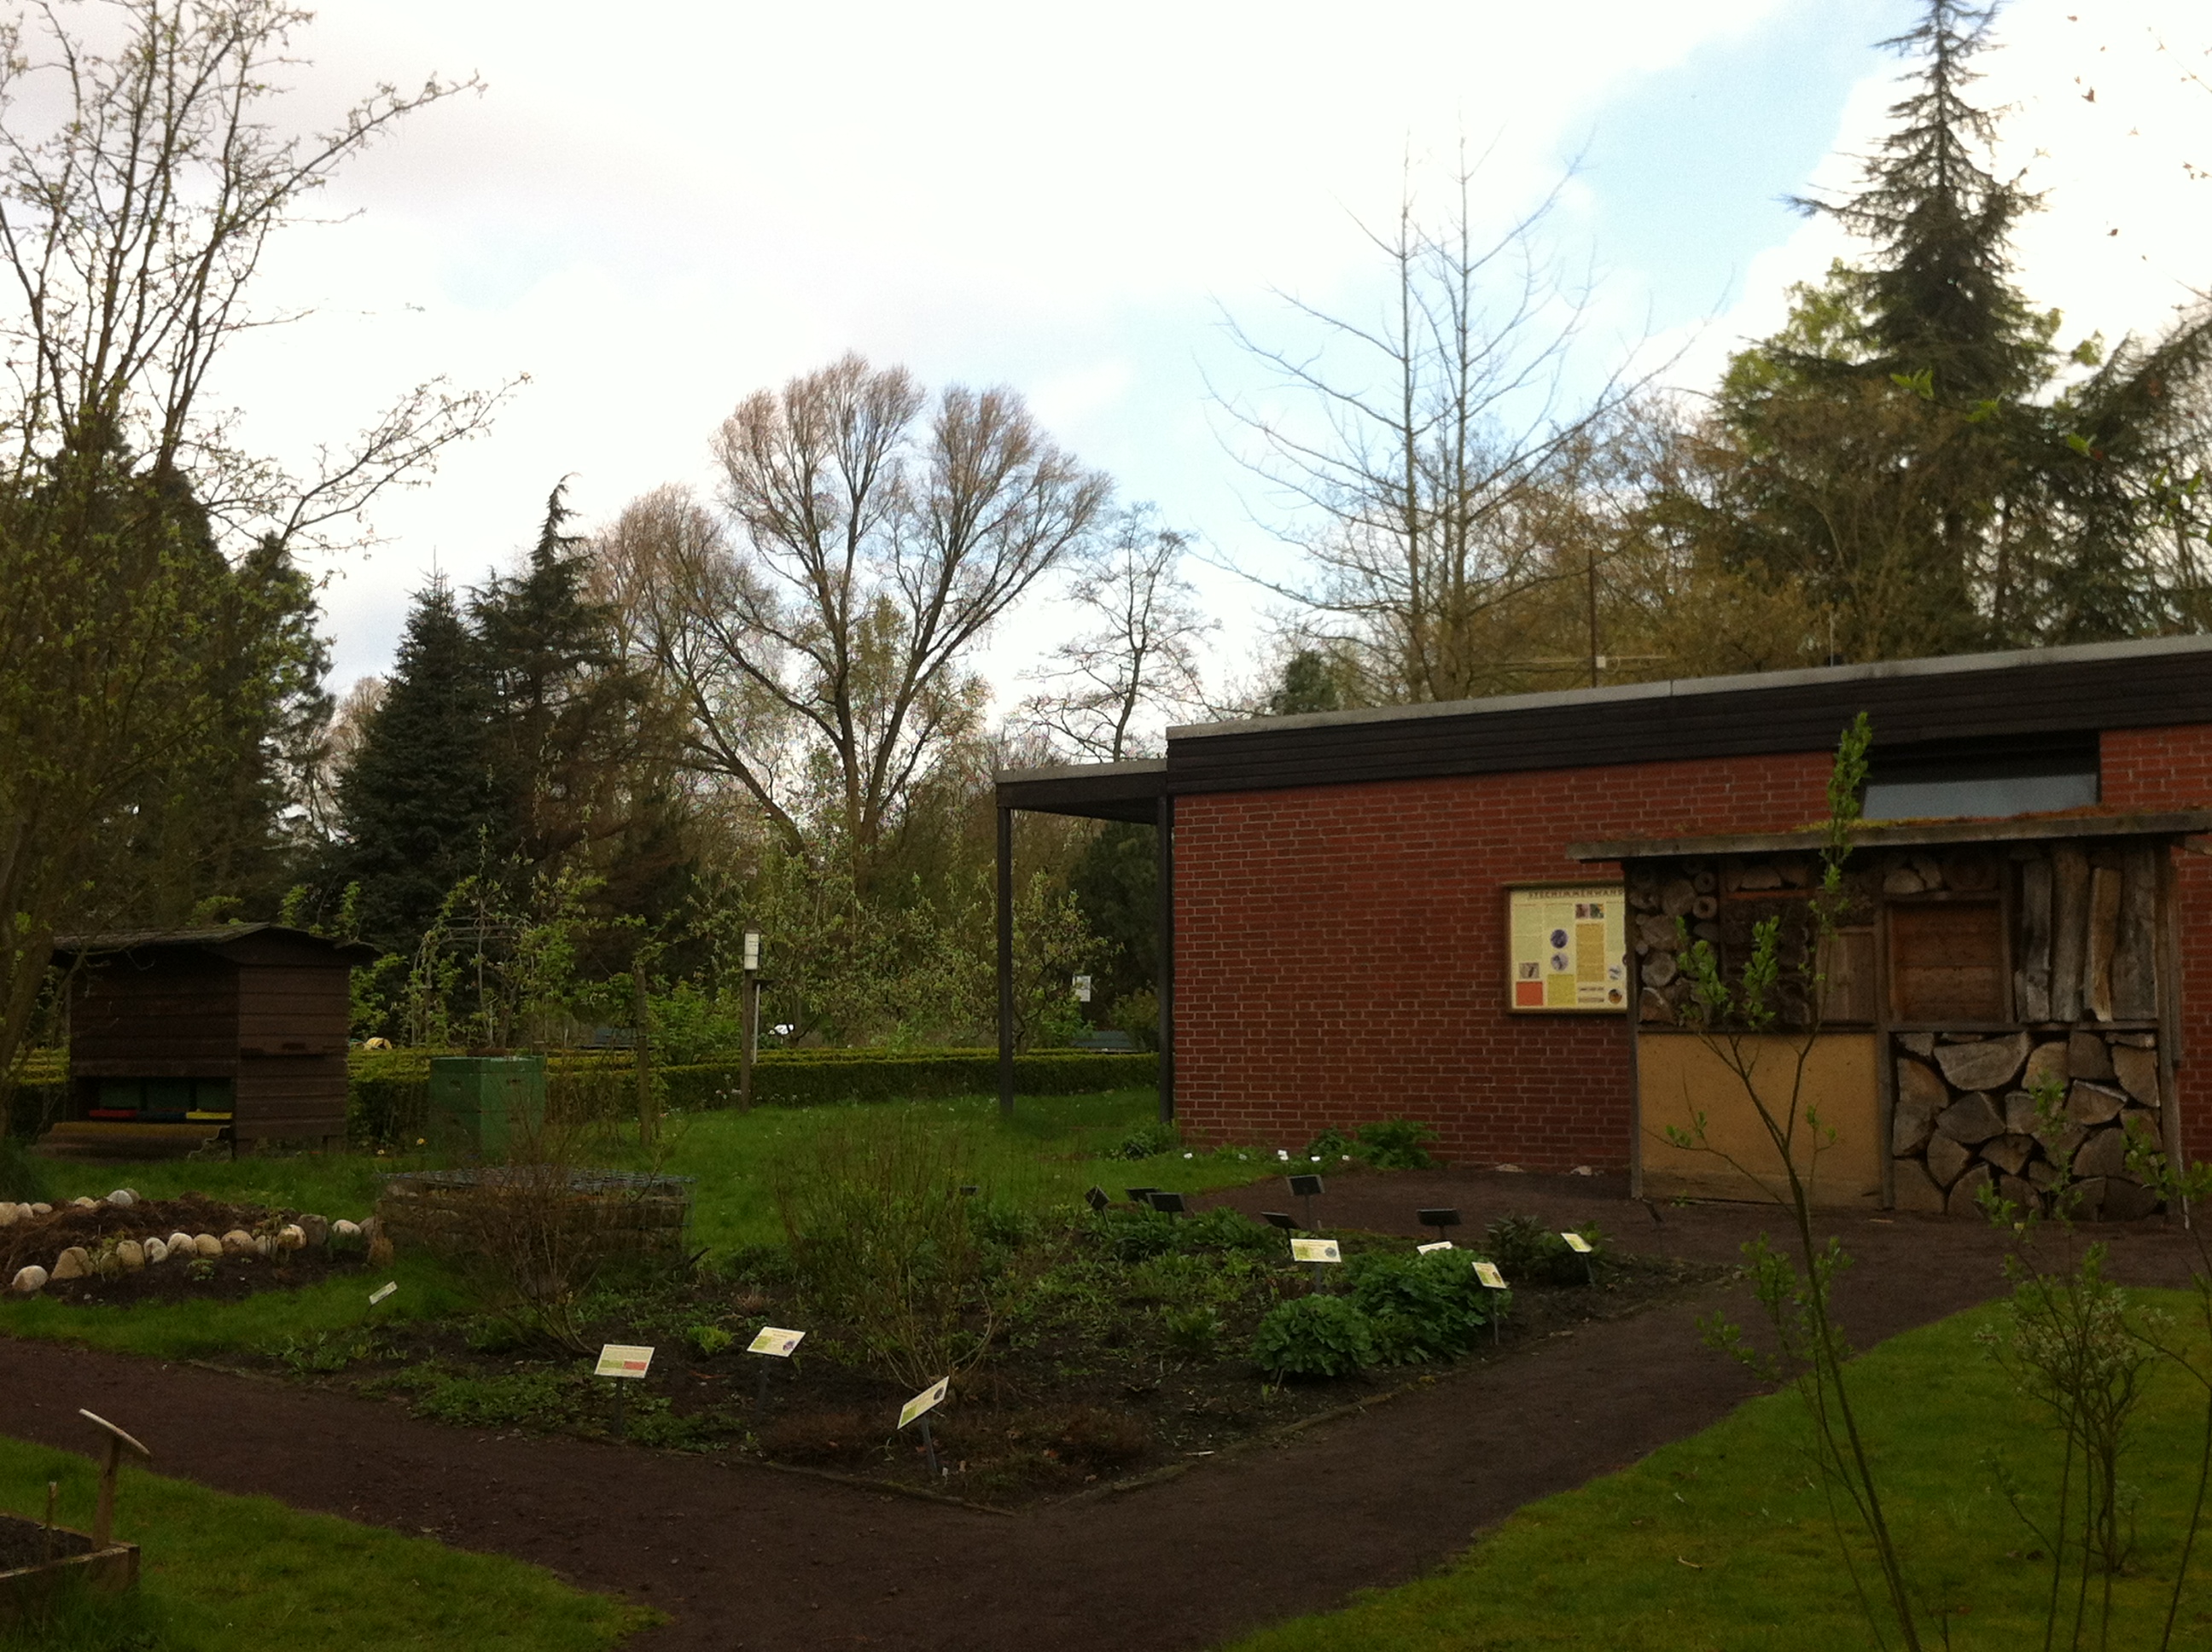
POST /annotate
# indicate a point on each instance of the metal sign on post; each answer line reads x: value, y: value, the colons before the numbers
x: 1082, y: 989
x: 1492, y: 1280
x: 621, y: 1360
x: 1319, y: 1252
x: 750, y: 1009
x: 1434, y: 1244
x: 1306, y: 1187
x: 920, y: 1407
x: 776, y: 1344
x: 382, y: 1291
x: 1581, y: 1248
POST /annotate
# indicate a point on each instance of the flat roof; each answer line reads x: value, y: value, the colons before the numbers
x: 2065, y: 823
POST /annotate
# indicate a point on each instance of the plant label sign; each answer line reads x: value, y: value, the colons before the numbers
x: 1434, y: 1244
x: 382, y: 1291
x: 781, y: 1343
x: 928, y: 1400
x: 1488, y: 1273
x: 1315, y: 1250
x: 617, y: 1359
x: 1576, y: 1243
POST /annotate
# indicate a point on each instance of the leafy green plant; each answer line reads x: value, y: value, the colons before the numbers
x: 1525, y: 1249
x: 1194, y: 1331
x: 1395, y: 1144
x: 1148, y: 1141
x: 1421, y: 1307
x: 707, y: 1340
x: 1329, y: 1146
x: 1315, y: 1336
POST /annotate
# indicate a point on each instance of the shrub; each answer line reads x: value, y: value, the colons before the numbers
x: 1524, y: 1248
x: 1147, y: 1141
x: 1395, y: 1144
x: 1330, y: 1146
x: 1135, y: 1233
x: 1421, y: 1307
x: 1192, y: 1330
x: 1223, y: 1229
x: 1313, y: 1336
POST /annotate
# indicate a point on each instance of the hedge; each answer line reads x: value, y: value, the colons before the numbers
x: 388, y: 1094
x: 389, y: 1097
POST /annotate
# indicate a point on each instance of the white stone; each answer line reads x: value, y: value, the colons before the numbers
x: 342, y: 1228
x: 131, y: 1254
x: 237, y: 1242
x: 156, y: 1252
x: 42, y: 1209
x: 10, y: 1214
x: 123, y: 1198
x: 291, y: 1236
x: 72, y: 1263
x: 180, y: 1244
x: 30, y: 1279
x: 207, y: 1244
x: 81, y: 1203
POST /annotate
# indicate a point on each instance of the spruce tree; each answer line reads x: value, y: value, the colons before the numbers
x: 418, y: 802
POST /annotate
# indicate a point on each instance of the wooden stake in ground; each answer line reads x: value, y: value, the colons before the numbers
x: 103, y: 1519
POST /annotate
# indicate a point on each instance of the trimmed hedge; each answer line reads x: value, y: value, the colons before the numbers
x: 389, y: 1097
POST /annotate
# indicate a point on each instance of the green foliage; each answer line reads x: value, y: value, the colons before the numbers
x: 1395, y: 1144
x: 1315, y: 1336
x: 1422, y: 1306
x: 1194, y: 1331
x: 1150, y: 1140
x: 1331, y: 1146
x: 1116, y: 884
x: 707, y: 1340
x: 23, y: 1179
x: 1524, y: 1248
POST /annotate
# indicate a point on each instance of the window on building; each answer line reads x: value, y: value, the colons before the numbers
x: 1977, y: 780
x: 1946, y: 962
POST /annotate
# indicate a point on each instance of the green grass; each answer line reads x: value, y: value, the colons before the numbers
x: 1720, y: 1541
x: 265, y: 1322
x: 222, y: 1572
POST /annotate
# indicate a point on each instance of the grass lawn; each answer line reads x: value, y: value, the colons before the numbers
x: 1721, y: 1541
x: 222, y: 1572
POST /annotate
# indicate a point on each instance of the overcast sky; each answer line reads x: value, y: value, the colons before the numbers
x: 655, y: 209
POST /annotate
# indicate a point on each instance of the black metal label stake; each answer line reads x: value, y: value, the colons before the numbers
x: 1309, y: 1188
x: 773, y: 1343
x: 917, y: 1410
x: 625, y: 1364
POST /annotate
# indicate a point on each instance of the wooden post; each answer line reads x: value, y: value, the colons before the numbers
x: 648, y: 1122
x: 103, y: 1519
x: 752, y: 1041
x: 1165, y: 950
x: 1005, y: 962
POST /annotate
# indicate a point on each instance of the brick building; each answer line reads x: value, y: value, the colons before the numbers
x: 1358, y: 909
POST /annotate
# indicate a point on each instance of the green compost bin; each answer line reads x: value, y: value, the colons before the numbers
x: 482, y: 1105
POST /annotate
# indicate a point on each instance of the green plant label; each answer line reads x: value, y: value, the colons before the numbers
x: 382, y: 1291
x: 928, y: 1399
x: 618, y: 1359
x: 1576, y: 1243
x: 1434, y: 1244
x: 781, y: 1343
x: 1488, y: 1273
x: 1315, y: 1250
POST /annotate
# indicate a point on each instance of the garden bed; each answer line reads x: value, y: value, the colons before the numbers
x: 40, y: 1241
x: 1108, y: 1368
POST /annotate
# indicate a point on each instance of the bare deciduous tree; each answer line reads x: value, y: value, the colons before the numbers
x: 1140, y: 656
x: 873, y: 535
x: 1440, y: 434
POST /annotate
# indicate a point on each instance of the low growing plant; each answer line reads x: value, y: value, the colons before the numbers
x: 1421, y: 1307
x: 1525, y: 1249
x: 1315, y: 1336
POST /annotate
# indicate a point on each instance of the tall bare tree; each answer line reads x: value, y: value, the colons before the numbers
x: 818, y: 635
x: 141, y: 181
x: 1435, y: 439
x: 1139, y: 658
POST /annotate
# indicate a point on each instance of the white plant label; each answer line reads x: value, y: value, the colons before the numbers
x: 1488, y: 1273
x: 1576, y: 1243
x: 781, y: 1343
x: 1315, y: 1250
x: 382, y: 1291
x: 616, y: 1359
x: 1434, y: 1244
x: 928, y: 1399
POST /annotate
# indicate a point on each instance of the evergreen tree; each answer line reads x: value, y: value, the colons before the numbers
x: 1916, y: 452
x: 1116, y: 884
x: 418, y: 803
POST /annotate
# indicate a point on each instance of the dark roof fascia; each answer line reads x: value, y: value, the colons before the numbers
x: 2037, y: 828
x: 1123, y: 791
x: 2147, y: 684
x: 202, y: 940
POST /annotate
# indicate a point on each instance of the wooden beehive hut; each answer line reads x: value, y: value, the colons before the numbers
x: 179, y: 1038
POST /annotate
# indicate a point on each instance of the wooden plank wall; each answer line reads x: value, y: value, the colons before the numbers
x: 157, y: 1016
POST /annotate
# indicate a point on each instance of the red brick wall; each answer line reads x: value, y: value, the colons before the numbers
x: 1340, y: 952
x: 2172, y: 768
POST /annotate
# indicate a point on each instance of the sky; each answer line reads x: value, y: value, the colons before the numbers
x: 653, y: 211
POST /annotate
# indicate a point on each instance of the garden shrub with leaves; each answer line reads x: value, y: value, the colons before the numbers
x: 1385, y: 1145
x: 1421, y: 1307
x: 1148, y: 1141
x: 1315, y: 1336
x: 1524, y: 1248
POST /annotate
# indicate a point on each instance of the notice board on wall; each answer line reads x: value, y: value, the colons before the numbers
x: 1568, y: 947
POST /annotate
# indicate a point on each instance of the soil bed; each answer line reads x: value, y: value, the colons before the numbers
x: 27, y: 1543
x: 40, y: 1239
x: 1075, y: 1396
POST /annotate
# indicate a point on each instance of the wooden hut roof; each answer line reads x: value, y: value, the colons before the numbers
x: 217, y: 940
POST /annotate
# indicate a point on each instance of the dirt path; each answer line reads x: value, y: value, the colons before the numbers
x: 744, y: 1557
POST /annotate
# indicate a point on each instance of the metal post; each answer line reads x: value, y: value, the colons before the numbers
x: 1165, y: 821
x: 752, y: 1040
x: 1005, y: 964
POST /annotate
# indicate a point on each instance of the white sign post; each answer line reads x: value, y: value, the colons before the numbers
x: 776, y: 1345
x: 1581, y: 1248
x: 919, y: 1406
x: 626, y: 1364
x: 1492, y: 1280
x: 1319, y: 1252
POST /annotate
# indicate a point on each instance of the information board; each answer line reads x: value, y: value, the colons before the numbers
x: 1568, y: 947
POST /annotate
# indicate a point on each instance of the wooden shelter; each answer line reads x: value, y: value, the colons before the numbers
x: 179, y: 1037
